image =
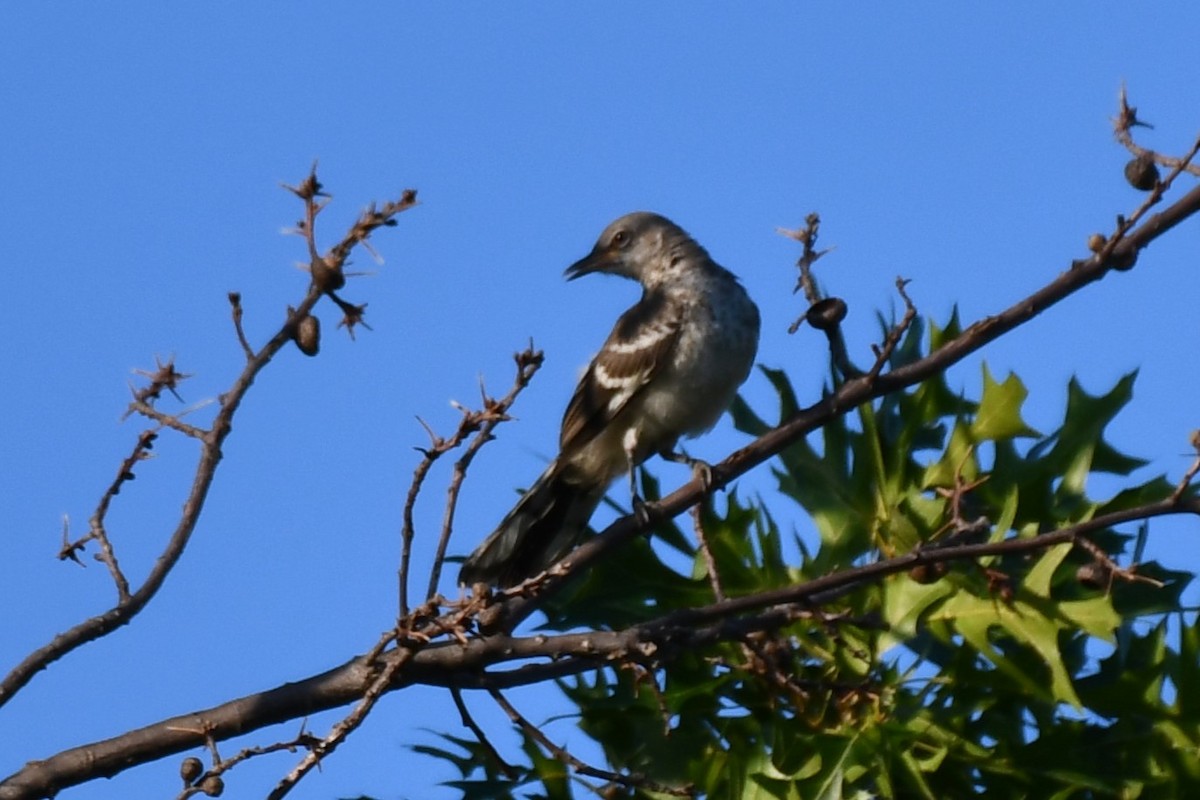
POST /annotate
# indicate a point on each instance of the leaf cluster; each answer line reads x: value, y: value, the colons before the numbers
x: 1007, y: 676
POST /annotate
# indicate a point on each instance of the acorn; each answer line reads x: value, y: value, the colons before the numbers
x: 308, y: 335
x: 190, y: 769
x: 927, y: 573
x: 212, y: 786
x: 1142, y: 173
x: 825, y: 314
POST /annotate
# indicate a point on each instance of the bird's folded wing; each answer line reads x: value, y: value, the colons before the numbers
x: 640, y: 344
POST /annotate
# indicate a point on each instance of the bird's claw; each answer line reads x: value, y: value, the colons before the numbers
x: 641, y: 510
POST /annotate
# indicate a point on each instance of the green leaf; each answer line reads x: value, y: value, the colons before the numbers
x: 1026, y: 621
x: 999, y: 413
x: 905, y: 601
x: 1079, y: 445
x: 959, y: 460
x: 939, y: 337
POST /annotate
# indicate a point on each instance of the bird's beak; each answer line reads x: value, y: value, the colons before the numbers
x: 595, y: 261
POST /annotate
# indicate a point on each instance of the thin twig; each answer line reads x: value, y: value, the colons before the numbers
x: 710, y: 563
x: 317, y: 750
x: 509, y: 770
x: 494, y: 412
x: 235, y: 302
x: 1186, y: 480
x: 807, y: 236
x: 896, y: 333
x: 171, y: 421
x: 202, y: 785
x: 633, y: 780
x: 1112, y: 569
x: 407, y: 529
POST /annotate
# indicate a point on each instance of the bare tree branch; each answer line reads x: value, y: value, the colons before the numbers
x: 212, y: 440
x: 464, y: 665
x: 431, y: 646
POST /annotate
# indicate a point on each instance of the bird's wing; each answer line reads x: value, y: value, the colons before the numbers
x: 639, y: 345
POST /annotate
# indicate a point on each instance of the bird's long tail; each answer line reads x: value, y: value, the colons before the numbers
x: 549, y: 520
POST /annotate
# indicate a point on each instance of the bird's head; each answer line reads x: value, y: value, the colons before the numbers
x: 637, y: 245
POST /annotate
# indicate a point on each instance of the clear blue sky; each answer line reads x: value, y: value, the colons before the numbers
x: 143, y: 144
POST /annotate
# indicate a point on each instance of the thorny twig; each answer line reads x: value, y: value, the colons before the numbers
x: 166, y: 378
x: 494, y: 412
x: 481, y: 423
x: 807, y: 236
x: 96, y: 528
x: 437, y: 446
x: 1123, y: 125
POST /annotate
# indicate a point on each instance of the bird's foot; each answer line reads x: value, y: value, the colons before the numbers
x: 701, y: 470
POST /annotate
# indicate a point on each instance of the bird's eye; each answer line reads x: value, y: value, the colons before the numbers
x: 620, y: 238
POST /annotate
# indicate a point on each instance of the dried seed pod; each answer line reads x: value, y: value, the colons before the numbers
x: 825, y: 314
x: 1093, y: 575
x: 327, y: 277
x: 212, y: 786
x: 1142, y: 173
x: 308, y: 335
x: 190, y: 769
x: 927, y: 573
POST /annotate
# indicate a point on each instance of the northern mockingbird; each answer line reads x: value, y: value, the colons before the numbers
x: 670, y: 367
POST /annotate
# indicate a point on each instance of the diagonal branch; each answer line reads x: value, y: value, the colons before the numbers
x: 1120, y: 254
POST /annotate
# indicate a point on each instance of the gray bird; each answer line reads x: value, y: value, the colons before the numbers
x: 670, y: 368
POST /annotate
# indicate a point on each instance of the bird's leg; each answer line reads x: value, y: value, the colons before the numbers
x: 629, y: 443
x: 700, y: 469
